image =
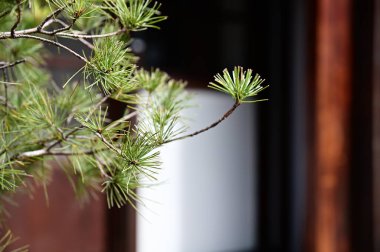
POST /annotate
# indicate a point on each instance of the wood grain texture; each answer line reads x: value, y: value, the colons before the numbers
x: 332, y: 110
x: 63, y: 225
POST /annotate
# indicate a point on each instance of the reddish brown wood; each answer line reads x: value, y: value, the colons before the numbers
x: 329, y: 218
x: 63, y: 225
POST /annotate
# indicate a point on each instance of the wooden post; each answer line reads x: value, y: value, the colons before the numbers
x: 328, y: 205
x: 376, y: 125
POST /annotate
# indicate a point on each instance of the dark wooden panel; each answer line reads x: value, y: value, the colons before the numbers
x: 63, y: 225
x: 376, y: 125
x: 329, y: 205
x: 361, y: 161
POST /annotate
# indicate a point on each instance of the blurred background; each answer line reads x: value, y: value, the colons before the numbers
x: 300, y: 172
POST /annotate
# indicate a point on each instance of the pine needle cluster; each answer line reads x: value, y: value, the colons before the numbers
x: 45, y: 123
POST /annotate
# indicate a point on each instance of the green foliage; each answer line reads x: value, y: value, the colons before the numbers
x: 93, y: 121
x: 39, y: 110
x: 161, y: 116
x: 135, y: 14
x: 10, y: 176
x: 241, y: 86
x: 120, y: 189
x: 111, y: 66
x: 44, y: 123
x: 32, y: 52
x: 151, y: 80
x: 76, y: 8
x: 87, y: 178
x: 8, y: 239
x: 6, y: 7
x: 140, y: 155
x: 75, y: 99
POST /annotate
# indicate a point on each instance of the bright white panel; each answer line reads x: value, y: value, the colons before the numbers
x: 206, y: 199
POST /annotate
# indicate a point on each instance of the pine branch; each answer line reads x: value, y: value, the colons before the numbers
x: 7, y: 35
x: 73, y: 131
x: 224, y: 117
x: 45, y: 152
x: 57, y: 44
x: 86, y: 43
x: 58, y: 30
x: 4, y: 100
x: 92, y: 36
x: 108, y: 144
x: 4, y: 65
x: 52, y: 15
x: 5, y: 78
x: 18, y: 15
x: 45, y: 123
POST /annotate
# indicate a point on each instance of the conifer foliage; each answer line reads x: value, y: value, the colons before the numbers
x: 43, y: 122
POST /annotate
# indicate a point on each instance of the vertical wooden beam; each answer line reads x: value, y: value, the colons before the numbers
x: 121, y: 222
x: 376, y: 125
x: 332, y: 109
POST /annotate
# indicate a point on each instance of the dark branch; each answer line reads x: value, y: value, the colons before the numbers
x: 5, y: 89
x: 55, y: 31
x: 4, y: 101
x: 18, y: 14
x: 44, y: 152
x: 89, y: 36
x: 4, y: 13
x: 225, y: 116
x: 7, y: 65
x: 57, y: 44
x: 73, y: 131
x: 53, y: 14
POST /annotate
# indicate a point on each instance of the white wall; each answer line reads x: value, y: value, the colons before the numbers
x: 205, y: 201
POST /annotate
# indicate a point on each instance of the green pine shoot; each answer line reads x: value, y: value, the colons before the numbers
x: 242, y: 86
x: 136, y: 15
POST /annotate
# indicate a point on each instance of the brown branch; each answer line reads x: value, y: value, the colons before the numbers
x: 6, y: 79
x: 89, y: 36
x: 55, y: 31
x: 108, y: 144
x: 4, y: 99
x: 58, y: 32
x: 45, y: 152
x: 57, y: 44
x: 4, y: 13
x: 18, y: 20
x: 225, y: 116
x: 73, y: 131
x: 100, y: 165
x: 121, y: 120
x: 5, y: 89
x: 86, y: 43
x: 7, y: 65
x: 53, y: 14
x: 87, y: 152
x: 6, y: 35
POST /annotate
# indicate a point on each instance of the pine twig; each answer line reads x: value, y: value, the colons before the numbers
x: 224, y: 117
x: 100, y: 165
x: 57, y: 44
x: 8, y: 65
x: 91, y: 36
x: 18, y: 20
x: 45, y: 152
x: 53, y: 14
x: 73, y: 131
x: 108, y: 144
x: 62, y: 29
